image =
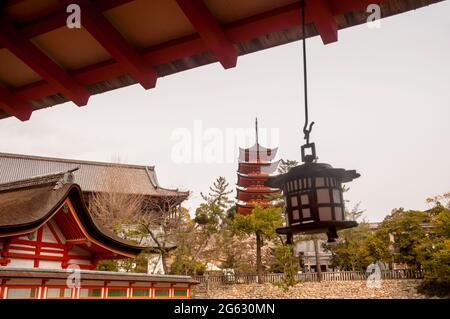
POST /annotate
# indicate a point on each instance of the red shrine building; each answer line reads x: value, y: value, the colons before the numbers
x: 256, y: 166
x: 50, y: 246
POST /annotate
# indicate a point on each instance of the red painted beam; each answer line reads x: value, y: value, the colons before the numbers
x: 58, y: 18
x: 119, y: 48
x: 210, y: 31
x: 21, y: 47
x: 321, y: 13
x: 243, y: 30
x: 14, y: 105
x: 238, y: 31
x: 341, y: 7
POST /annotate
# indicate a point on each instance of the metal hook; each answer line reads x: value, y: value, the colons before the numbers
x: 307, y: 131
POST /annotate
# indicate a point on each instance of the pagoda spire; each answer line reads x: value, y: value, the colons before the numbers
x: 257, y: 140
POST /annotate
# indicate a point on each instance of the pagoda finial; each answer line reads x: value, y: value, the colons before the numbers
x: 256, y: 129
x: 257, y: 139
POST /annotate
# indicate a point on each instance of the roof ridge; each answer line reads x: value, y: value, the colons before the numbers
x: 64, y: 177
x: 74, y: 161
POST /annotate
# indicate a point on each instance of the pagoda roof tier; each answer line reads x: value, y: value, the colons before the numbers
x: 256, y: 176
x: 259, y: 196
x: 246, y: 208
x: 253, y: 204
x: 257, y: 153
x: 256, y: 190
x: 257, y: 168
x: 246, y: 180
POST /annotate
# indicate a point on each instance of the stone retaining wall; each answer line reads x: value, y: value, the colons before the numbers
x: 391, y: 289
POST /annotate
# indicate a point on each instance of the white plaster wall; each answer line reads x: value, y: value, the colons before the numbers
x: 49, y: 264
x: 21, y: 263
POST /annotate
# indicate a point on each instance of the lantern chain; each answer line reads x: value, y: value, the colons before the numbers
x: 306, y: 130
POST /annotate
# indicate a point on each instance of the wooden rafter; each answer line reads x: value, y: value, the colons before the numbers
x: 210, y: 31
x: 234, y: 33
x: 320, y: 11
x: 14, y: 106
x: 26, y: 51
x: 119, y: 48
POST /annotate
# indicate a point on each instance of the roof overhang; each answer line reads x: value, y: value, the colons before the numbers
x: 33, y: 206
x: 123, y: 42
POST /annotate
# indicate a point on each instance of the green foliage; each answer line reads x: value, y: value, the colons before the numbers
x: 437, y: 267
x: 353, y: 250
x: 263, y: 221
x: 419, y: 239
x: 286, y: 263
x: 409, y: 234
x: 213, y: 211
x: 437, y: 271
x: 137, y: 265
x: 184, y: 266
x: 108, y: 265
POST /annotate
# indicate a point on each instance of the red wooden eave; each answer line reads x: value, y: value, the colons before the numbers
x: 323, y: 17
x: 220, y: 39
x: 210, y: 31
x: 119, y: 48
x: 14, y: 105
x: 18, y: 44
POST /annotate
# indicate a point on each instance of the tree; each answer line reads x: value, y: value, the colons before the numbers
x: 262, y: 222
x: 286, y: 263
x: 437, y: 266
x: 114, y: 207
x: 409, y: 235
x: 210, y: 219
x: 358, y: 247
x: 117, y: 204
x: 216, y: 204
x: 219, y: 193
x: 162, y: 221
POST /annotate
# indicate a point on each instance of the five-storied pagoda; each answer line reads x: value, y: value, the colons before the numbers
x: 256, y: 166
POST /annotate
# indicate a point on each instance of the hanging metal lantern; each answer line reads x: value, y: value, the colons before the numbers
x: 313, y: 191
x: 313, y: 199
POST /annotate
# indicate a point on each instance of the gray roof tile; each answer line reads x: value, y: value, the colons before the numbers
x: 90, y: 176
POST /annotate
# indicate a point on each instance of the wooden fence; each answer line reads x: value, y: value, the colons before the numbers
x: 218, y: 280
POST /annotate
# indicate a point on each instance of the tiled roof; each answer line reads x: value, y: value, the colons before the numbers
x: 90, y: 175
x: 24, y: 208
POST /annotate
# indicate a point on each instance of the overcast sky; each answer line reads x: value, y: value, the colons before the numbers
x: 380, y: 99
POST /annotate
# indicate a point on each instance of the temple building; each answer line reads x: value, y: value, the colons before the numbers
x: 29, y: 190
x: 135, y: 179
x: 50, y: 245
x: 256, y: 166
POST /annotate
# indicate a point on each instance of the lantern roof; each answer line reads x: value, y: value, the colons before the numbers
x: 317, y: 227
x: 313, y: 170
